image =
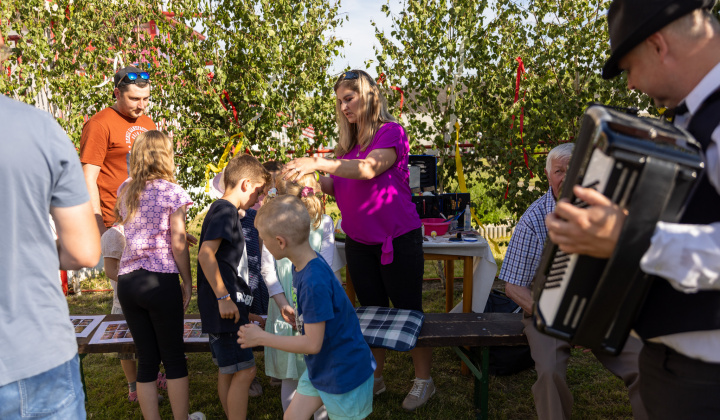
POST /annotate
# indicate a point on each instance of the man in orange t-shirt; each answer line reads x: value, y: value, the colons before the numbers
x: 107, y: 138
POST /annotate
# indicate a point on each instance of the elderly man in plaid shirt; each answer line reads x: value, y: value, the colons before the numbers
x: 553, y: 399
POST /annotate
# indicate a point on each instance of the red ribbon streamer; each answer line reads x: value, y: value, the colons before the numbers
x: 381, y: 80
x: 520, y: 72
x: 232, y: 105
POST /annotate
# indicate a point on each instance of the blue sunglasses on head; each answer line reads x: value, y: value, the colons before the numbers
x: 132, y: 77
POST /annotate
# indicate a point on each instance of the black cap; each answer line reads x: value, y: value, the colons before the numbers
x: 123, y: 72
x: 630, y: 22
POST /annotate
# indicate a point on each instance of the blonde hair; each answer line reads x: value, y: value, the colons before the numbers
x: 311, y: 201
x: 372, y: 115
x: 284, y: 216
x: 151, y: 158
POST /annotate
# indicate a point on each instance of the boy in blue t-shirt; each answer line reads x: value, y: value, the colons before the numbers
x: 224, y: 297
x: 339, y: 362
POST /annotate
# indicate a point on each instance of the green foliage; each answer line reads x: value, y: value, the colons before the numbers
x: 271, y: 57
x: 470, y: 48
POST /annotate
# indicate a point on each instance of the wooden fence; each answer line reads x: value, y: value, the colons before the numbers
x: 497, y: 231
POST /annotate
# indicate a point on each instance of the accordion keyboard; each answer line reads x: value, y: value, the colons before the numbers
x: 555, y: 287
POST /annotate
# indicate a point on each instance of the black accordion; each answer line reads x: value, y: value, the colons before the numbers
x: 644, y: 165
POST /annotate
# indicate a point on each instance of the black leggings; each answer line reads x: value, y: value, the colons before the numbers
x: 400, y: 282
x: 153, y: 308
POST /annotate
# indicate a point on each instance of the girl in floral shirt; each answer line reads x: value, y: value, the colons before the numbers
x: 152, y: 208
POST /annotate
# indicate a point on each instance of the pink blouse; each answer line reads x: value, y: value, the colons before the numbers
x: 147, y: 235
x: 375, y: 211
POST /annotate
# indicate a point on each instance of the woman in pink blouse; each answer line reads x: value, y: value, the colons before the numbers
x: 152, y: 208
x: 369, y: 179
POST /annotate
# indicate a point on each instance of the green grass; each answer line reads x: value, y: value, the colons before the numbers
x: 597, y: 393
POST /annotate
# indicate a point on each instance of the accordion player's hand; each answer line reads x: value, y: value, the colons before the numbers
x: 593, y: 230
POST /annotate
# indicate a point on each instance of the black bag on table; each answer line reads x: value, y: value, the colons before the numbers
x: 507, y: 360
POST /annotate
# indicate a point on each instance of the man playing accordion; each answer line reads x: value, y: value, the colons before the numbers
x: 670, y: 50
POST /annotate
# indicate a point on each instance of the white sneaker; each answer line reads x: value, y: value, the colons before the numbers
x: 196, y: 416
x: 379, y: 386
x: 420, y: 393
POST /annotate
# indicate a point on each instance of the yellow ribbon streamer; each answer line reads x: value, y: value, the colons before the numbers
x: 223, y: 160
x: 463, y: 187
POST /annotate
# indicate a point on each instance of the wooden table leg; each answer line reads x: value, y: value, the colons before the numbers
x: 467, y: 295
x: 349, y: 288
x: 467, y: 284
x: 449, y: 284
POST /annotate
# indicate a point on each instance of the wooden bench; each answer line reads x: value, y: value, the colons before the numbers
x: 469, y: 334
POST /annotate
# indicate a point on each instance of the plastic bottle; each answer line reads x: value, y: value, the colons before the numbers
x: 467, y: 215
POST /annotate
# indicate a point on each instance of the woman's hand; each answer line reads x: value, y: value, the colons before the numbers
x: 295, y: 169
x: 249, y: 335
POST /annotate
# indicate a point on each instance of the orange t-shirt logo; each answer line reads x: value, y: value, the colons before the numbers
x: 132, y: 133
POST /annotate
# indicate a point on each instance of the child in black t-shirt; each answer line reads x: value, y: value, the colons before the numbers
x: 224, y: 298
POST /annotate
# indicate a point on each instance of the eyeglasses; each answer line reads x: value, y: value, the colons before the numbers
x: 132, y: 77
x: 349, y: 75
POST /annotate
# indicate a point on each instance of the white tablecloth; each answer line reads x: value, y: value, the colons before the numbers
x: 484, y: 266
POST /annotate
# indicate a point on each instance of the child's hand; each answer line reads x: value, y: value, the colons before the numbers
x: 257, y: 318
x: 250, y: 335
x: 228, y: 310
x: 191, y: 240
x: 288, y: 314
x: 186, y: 295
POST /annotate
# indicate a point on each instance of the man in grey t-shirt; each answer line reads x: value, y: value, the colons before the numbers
x: 41, y: 175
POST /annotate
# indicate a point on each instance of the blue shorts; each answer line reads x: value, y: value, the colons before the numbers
x: 55, y: 394
x: 227, y: 354
x: 352, y: 405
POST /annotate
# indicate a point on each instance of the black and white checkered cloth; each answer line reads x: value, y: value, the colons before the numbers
x: 390, y: 328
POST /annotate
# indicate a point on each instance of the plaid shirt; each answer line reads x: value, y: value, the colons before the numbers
x: 526, y: 245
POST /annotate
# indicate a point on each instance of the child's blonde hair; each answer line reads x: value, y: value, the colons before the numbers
x: 284, y: 216
x: 373, y: 113
x: 305, y: 189
x: 151, y: 158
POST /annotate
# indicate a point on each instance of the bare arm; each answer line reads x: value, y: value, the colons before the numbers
x: 91, y: 173
x: 327, y: 185
x: 376, y: 162
x: 181, y: 253
x: 520, y: 295
x: 112, y: 266
x: 311, y: 342
x: 78, y: 237
x: 209, y: 265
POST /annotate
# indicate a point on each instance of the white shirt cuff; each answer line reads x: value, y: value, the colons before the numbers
x: 688, y: 256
